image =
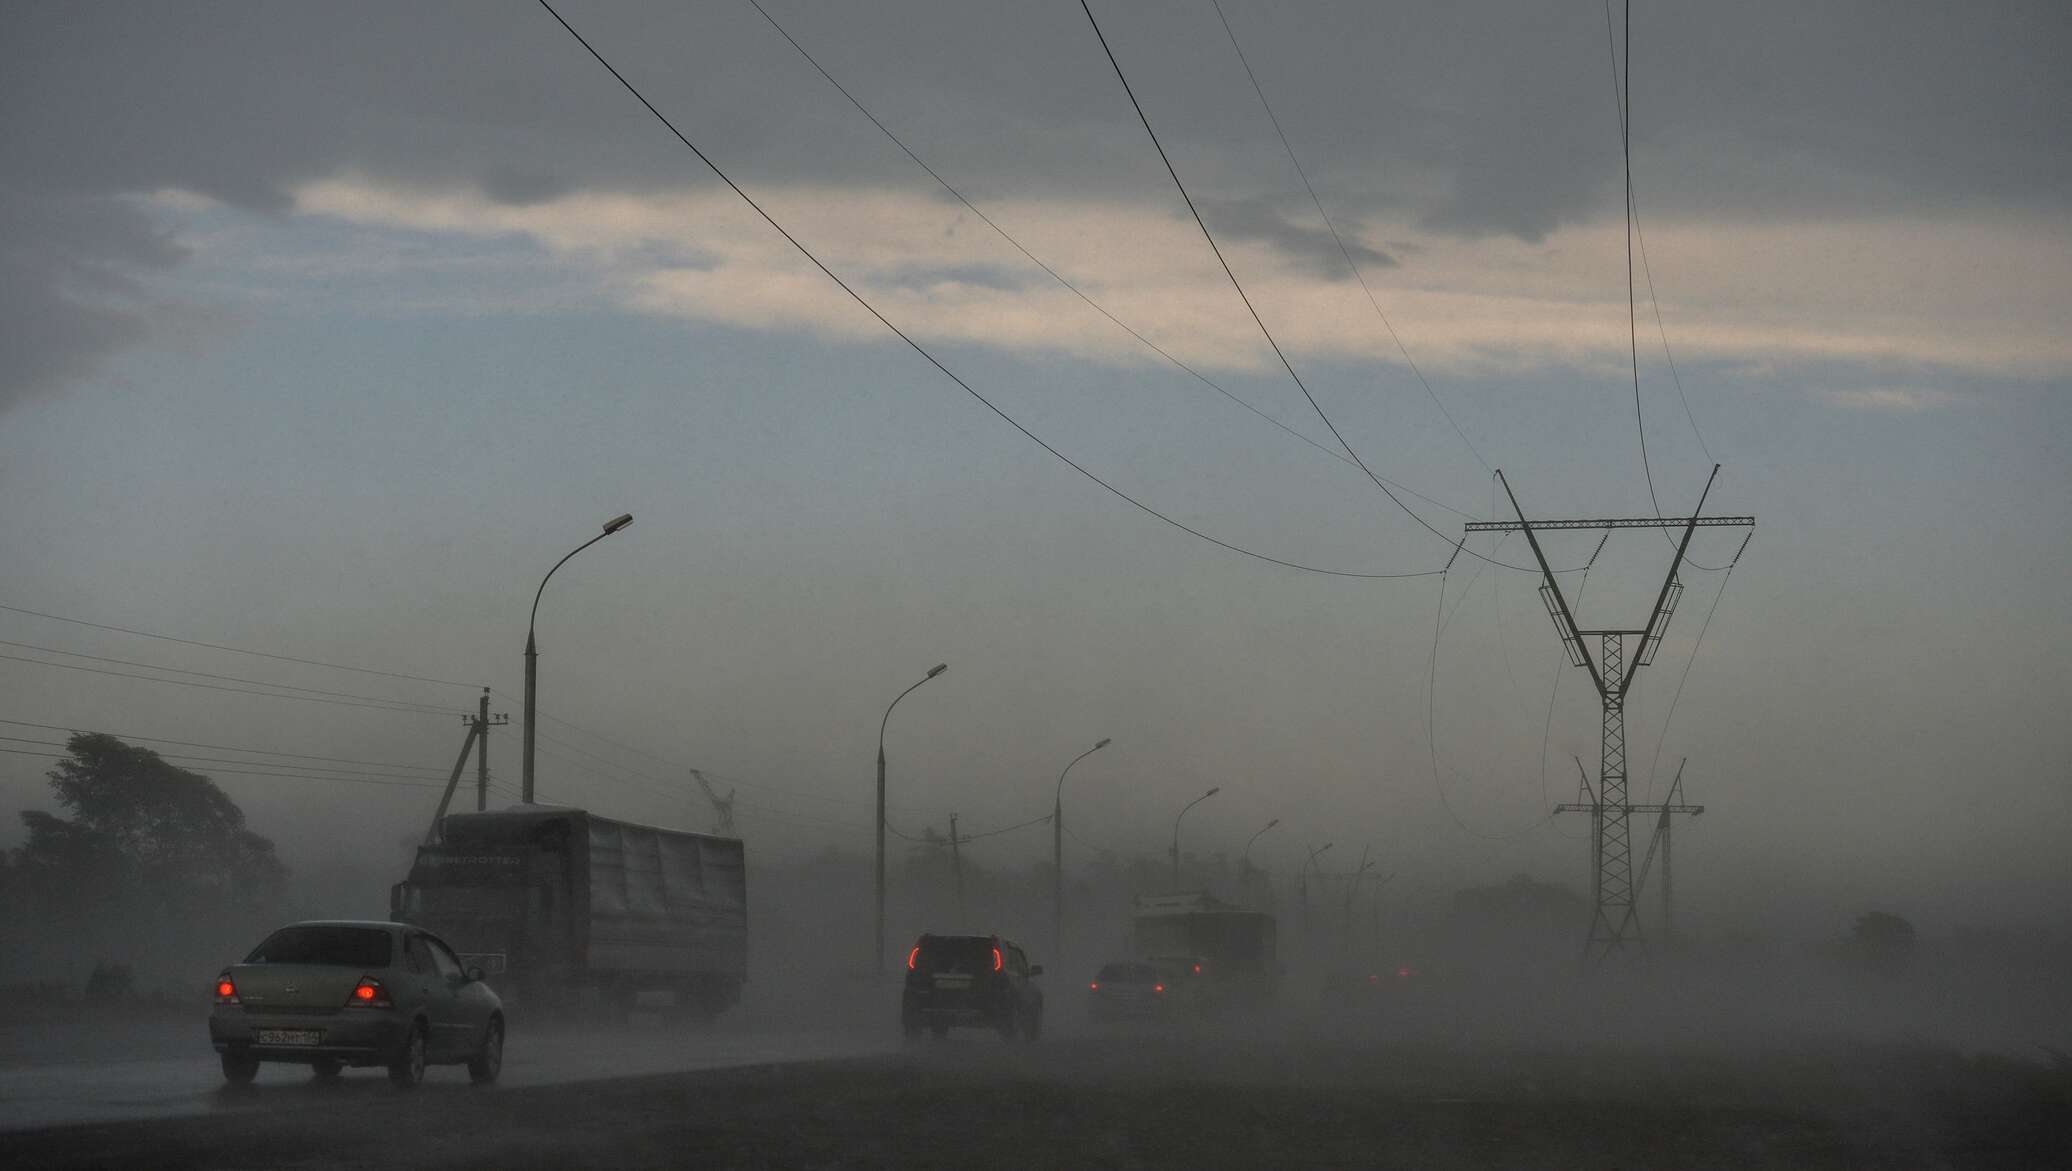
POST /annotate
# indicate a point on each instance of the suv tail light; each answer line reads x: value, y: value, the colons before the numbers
x: 370, y: 994
x: 226, y: 990
x: 997, y: 963
x: 914, y: 958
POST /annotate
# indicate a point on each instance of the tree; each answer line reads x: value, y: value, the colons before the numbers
x: 142, y: 829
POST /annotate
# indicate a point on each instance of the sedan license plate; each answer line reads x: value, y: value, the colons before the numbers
x: 288, y: 1036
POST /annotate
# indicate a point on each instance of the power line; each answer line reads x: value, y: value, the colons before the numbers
x: 1076, y: 291
x: 727, y: 778
x: 125, y: 736
x: 343, y: 780
x: 408, y: 711
x: 1246, y: 298
x: 930, y: 357
x: 1686, y: 676
x: 1336, y: 239
x: 1432, y: 736
x: 314, y: 772
x: 231, y: 649
x: 226, y: 678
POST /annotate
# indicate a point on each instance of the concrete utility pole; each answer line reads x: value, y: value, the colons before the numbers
x: 483, y: 722
x: 477, y: 741
x: 878, y: 962
x: 1614, y: 919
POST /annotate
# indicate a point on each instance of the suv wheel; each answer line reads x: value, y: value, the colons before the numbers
x: 408, y: 1068
x: 1032, y: 1026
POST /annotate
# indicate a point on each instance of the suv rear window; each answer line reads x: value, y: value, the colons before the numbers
x: 955, y: 953
x: 342, y: 947
x: 1125, y: 973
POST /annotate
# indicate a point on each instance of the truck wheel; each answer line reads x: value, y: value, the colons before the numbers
x: 408, y: 1068
x: 239, y: 1070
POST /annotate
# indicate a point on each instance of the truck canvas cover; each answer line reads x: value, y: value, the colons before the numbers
x: 645, y: 899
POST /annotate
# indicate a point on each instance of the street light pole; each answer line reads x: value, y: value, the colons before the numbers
x: 1302, y: 881
x: 1247, y: 866
x: 1057, y: 857
x: 1176, y: 830
x: 532, y: 652
x: 939, y: 668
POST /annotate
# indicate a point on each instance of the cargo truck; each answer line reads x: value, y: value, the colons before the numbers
x: 560, y: 906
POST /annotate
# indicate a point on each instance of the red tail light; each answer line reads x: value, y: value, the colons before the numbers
x: 370, y: 994
x: 1197, y: 969
x: 1158, y: 988
x: 226, y: 992
x: 1094, y: 987
x: 1405, y: 973
x: 914, y: 958
x: 997, y: 964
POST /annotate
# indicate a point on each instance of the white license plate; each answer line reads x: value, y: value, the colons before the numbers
x: 958, y: 980
x: 287, y: 1036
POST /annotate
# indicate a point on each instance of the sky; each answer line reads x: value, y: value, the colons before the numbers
x: 326, y: 331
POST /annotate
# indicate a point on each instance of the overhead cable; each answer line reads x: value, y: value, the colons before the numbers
x: 1336, y: 239
x: 929, y: 356
x: 215, y: 646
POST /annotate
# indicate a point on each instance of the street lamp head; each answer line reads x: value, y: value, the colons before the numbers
x: 1324, y: 847
x: 1102, y: 743
x: 938, y: 669
x: 1212, y: 792
x: 1269, y: 825
x: 618, y: 522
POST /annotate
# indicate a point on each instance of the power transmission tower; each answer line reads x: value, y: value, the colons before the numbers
x: 477, y: 741
x: 1659, y: 842
x: 1614, y: 922
x: 722, y: 807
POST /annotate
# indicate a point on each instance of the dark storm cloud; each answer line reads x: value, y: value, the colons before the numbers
x: 1473, y: 118
x: 1312, y: 246
x: 69, y: 291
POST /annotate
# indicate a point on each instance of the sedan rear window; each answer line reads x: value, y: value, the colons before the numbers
x: 343, y: 947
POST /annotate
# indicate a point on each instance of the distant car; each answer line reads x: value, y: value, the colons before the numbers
x: 332, y: 994
x: 970, y: 981
x: 1132, y: 990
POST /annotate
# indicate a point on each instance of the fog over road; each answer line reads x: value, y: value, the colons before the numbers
x: 59, y: 1074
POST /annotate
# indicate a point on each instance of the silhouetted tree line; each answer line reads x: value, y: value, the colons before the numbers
x: 146, y: 853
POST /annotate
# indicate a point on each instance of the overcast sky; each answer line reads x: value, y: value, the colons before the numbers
x: 325, y: 330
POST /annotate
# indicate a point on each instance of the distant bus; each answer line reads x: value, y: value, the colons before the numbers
x: 1234, y: 948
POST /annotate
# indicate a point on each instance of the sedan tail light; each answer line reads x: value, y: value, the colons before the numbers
x: 226, y: 990
x: 370, y: 994
x: 1158, y: 988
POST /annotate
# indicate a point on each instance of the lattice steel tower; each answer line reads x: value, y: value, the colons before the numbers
x: 1614, y: 922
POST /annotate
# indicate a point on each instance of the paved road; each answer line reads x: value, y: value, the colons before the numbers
x: 53, y: 1074
x: 1144, y: 1101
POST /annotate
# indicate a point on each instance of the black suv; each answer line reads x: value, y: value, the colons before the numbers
x: 974, y: 981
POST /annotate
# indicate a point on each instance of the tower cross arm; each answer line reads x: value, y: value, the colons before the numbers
x: 1621, y: 522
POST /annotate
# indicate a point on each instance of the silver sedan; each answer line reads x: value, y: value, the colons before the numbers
x: 336, y: 993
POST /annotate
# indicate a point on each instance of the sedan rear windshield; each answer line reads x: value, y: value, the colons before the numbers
x: 344, y: 947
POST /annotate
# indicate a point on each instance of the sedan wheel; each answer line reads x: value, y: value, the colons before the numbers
x: 488, y: 1061
x: 408, y: 1068
x: 239, y: 1071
